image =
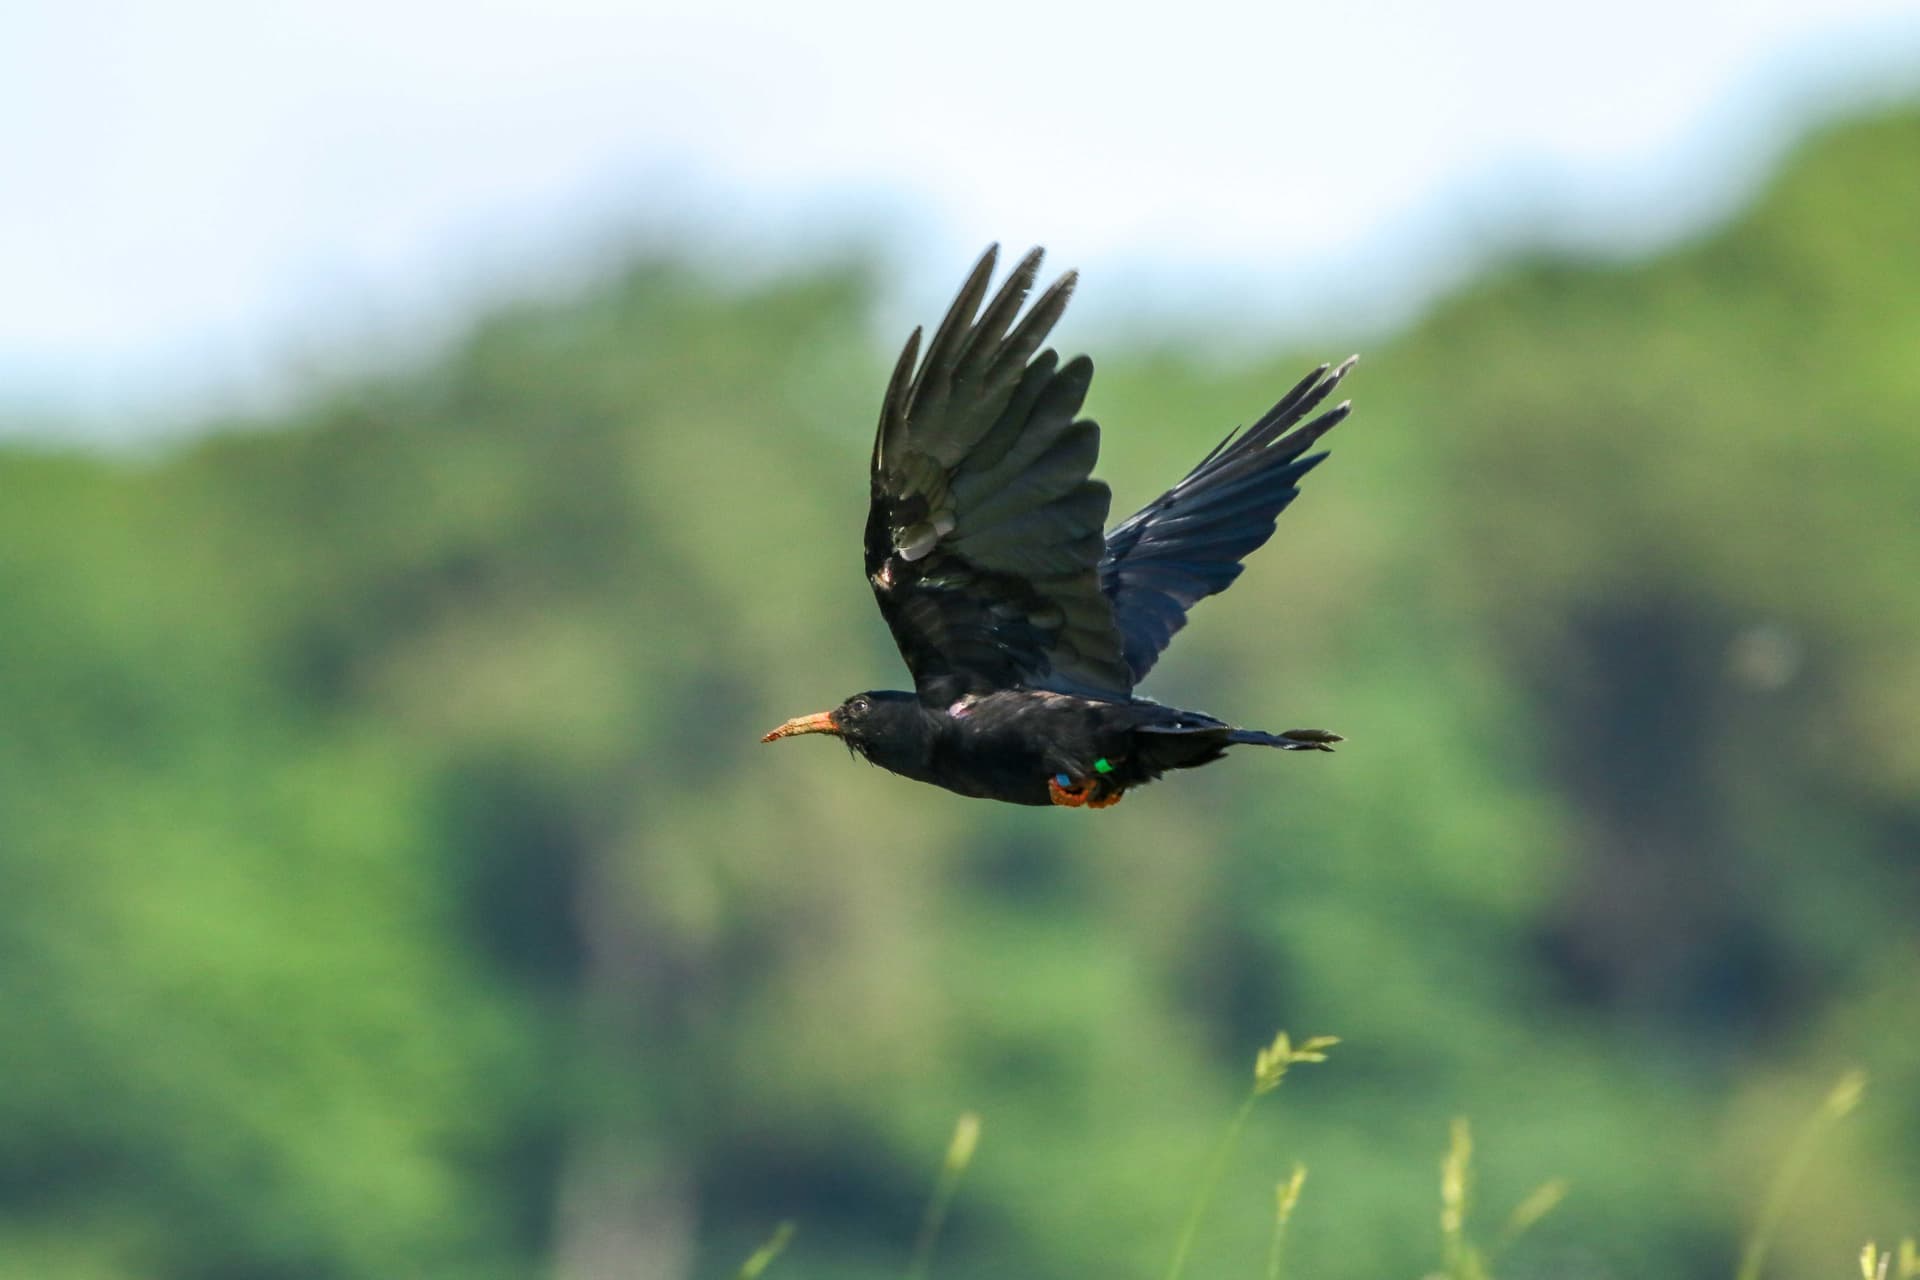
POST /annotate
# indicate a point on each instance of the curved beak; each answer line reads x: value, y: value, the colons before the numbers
x: 820, y: 723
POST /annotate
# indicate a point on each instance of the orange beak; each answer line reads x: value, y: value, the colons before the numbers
x: 820, y: 723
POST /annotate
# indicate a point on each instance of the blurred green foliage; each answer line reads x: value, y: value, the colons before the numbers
x: 391, y: 884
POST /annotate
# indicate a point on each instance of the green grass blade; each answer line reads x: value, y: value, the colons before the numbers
x: 1209, y: 1183
x: 1841, y: 1100
x: 966, y: 1136
x: 763, y: 1256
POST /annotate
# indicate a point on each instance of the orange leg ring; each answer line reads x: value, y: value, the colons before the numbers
x: 1080, y: 795
x: 1068, y: 797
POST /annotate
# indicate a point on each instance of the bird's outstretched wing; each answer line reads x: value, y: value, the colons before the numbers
x: 984, y: 531
x: 1188, y: 543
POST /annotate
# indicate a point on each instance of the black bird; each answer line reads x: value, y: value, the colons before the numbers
x: 1024, y: 629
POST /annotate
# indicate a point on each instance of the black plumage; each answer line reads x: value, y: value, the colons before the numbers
x: 1024, y: 628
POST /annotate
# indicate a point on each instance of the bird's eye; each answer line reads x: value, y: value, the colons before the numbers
x: 859, y: 706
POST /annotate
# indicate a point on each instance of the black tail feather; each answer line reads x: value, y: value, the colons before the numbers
x: 1291, y: 740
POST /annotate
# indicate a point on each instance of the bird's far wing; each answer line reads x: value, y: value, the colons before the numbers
x: 984, y: 532
x: 1188, y: 543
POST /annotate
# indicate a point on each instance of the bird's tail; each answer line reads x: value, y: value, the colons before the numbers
x: 1291, y: 740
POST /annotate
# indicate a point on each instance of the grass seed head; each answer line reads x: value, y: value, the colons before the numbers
x: 1544, y: 1199
x: 1846, y: 1094
x: 1287, y: 1194
x: 1456, y: 1174
x: 1270, y: 1065
x: 966, y: 1137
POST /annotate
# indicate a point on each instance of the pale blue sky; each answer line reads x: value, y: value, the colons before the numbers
x: 204, y: 201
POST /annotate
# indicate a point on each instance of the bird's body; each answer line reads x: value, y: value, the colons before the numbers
x: 1025, y: 629
x: 1018, y: 744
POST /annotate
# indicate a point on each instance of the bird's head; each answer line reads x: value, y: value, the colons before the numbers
x: 879, y: 724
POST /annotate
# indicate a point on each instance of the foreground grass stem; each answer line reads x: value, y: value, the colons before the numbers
x: 1839, y: 1102
x: 966, y: 1136
x: 1269, y: 1069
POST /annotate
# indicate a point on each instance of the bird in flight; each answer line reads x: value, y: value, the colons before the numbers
x: 1025, y: 630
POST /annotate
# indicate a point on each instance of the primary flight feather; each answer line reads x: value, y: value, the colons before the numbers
x: 1026, y: 629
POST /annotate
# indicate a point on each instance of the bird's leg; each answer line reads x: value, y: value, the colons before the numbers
x: 1071, y: 797
x: 1085, y: 795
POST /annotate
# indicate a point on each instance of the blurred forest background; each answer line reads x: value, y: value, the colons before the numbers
x: 391, y: 883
